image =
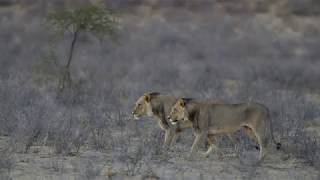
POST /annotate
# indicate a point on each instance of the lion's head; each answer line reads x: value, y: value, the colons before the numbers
x: 178, y: 111
x: 143, y: 106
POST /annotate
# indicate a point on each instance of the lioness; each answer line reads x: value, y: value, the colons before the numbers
x: 158, y: 106
x: 210, y: 119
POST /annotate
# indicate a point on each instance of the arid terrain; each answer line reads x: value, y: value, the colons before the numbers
x: 236, y: 51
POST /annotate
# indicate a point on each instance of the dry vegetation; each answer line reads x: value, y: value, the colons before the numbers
x: 266, y: 52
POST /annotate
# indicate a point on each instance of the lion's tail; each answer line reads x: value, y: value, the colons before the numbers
x: 278, y: 144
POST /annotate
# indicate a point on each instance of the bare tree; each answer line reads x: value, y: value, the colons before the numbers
x: 96, y: 20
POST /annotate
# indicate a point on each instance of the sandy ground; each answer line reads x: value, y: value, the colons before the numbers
x: 42, y: 163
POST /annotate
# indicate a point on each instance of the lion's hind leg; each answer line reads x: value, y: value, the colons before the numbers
x: 259, y: 132
x: 249, y: 132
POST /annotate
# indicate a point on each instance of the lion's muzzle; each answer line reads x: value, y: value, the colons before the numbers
x: 135, y: 116
x: 173, y: 121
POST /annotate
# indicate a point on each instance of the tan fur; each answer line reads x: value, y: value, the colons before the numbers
x: 211, y: 119
x: 159, y: 106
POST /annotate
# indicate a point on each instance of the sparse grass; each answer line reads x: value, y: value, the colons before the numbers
x: 7, y: 163
x: 180, y: 54
x: 57, y: 165
x: 132, y: 154
x: 307, y: 148
x: 90, y: 171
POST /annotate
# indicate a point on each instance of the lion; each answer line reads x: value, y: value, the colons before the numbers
x: 158, y: 106
x: 211, y: 119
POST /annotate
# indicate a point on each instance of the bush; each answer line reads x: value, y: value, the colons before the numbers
x: 307, y: 147
x: 7, y: 162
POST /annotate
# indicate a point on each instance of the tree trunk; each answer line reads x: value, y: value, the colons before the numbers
x: 75, y: 37
x: 66, y: 77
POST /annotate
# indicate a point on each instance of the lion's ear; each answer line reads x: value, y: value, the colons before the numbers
x: 147, y: 98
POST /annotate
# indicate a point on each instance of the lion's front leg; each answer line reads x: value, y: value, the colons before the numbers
x: 212, y: 145
x: 168, y: 137
x: 174, y: 138
x: 169, y: 132
x: 197, y: 141
x: 176, y: 134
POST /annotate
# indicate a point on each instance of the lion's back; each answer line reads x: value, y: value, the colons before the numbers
x: 229, y: 115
